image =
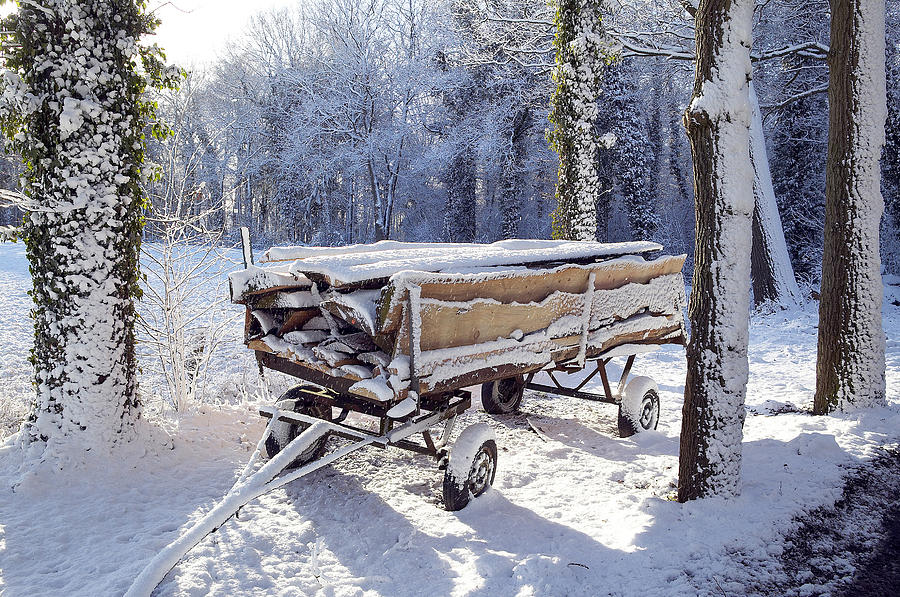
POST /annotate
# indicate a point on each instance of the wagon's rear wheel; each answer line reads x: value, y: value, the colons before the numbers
x: 504, y: 396
x: 300, y: 399
x: 639, y: 408
x: 471, y: 468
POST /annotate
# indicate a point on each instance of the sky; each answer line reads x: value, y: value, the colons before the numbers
x: 195, y: 32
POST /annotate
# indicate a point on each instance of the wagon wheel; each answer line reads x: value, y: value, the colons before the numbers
x: 471, y: 468
x: 639, y: 408
x: 504, y: 396
x: 300, y: 399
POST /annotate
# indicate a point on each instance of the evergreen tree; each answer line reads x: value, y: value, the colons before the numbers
x: 799, y: 128
x: 890, y: 161
x: 798, y: 181
x: 512, y: 177
x: 627, y: 159
x: 74, y: 110
x: 580, y: 56
x: 459, y: 219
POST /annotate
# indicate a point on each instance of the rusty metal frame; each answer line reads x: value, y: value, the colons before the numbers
x: 608, y: 396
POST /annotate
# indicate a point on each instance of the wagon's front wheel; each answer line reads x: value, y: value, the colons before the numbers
x: 471, y: 468
x: 639, y: 408
x: 504, y: 396
x: 299, y: 400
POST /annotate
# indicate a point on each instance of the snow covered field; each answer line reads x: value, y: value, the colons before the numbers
x: 578, y: 511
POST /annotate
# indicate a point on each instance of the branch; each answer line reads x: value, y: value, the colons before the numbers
x: 795, y: 97
x: 9, y: 234
x: 690, y: 6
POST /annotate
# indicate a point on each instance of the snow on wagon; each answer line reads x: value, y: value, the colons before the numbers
x: 396, y: 331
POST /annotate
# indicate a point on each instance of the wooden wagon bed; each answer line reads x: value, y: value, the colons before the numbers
x: 358, y: 319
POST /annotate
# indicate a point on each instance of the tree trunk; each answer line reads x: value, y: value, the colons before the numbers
x: 718, y: 126
x: 459, y: 219
x: 770, y: 265
x: 377, y: 204
x: 573, y: 112
x: 83, y: 145
x: 850, y: 368
x: 512, y: 179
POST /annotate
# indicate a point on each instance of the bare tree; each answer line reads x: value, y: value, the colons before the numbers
x: 850, y: 368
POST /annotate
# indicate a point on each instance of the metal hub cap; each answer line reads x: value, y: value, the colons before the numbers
x: 647, y: 413
x: 504, y: 391
x: 481, y: 472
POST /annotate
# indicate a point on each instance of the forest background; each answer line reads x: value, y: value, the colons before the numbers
x: 348, y: 121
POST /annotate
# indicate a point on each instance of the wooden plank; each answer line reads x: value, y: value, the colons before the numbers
x: 294, y: 299
x: 522, y: 286
x: 502, y: 371
x: 321, y: 367
x: 253, y: 295
x: 446, y: 324
x: 355, y: 269
x: 296, y: 319
x: 540, y: 348
x: 351, y: 311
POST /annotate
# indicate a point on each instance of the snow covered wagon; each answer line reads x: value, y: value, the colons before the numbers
x: 397, y: 331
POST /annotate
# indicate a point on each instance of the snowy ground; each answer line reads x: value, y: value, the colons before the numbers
x: 577, y: 512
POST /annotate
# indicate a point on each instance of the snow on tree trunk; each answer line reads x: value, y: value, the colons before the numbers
x: 579, y: 65
x: 851, y: 363
x: 73, y: 107
x: 771, y: 270
x: 718, y: 125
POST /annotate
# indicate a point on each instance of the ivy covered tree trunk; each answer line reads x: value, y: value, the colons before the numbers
x: 851, y: 364
x: 73, y: 109
x: 459, y: 219
x: 580, y: 55
x: 512, y: 178
x: 718, y: 125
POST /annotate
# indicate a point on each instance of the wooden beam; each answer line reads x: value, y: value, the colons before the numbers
x: 517, y: 286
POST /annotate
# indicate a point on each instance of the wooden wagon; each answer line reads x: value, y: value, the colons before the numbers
x: 397, y: 332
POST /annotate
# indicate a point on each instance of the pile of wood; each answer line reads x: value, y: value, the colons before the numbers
x: 358, y: 319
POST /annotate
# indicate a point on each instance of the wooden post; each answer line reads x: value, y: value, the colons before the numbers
x: 245, y: 245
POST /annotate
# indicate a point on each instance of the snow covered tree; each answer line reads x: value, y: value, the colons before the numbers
x: 770, y: 265
x: 73, y: 106
x: 460, y: 99
x: 459, y: 219
x: 580, y: 57
x: 793, y: 89
x: 851, y: 367
x: 512, y: 177
x: 799, y: 141
x: 718, y: 125
x: 626, y: 160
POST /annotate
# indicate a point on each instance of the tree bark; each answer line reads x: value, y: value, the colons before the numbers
x: 718, y: 126
x: 83, y: 146
x: 850, y: 368
x: 459, y: 219
x: 512, y: 178
x: 573, y: 113
x: 770, y: 265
